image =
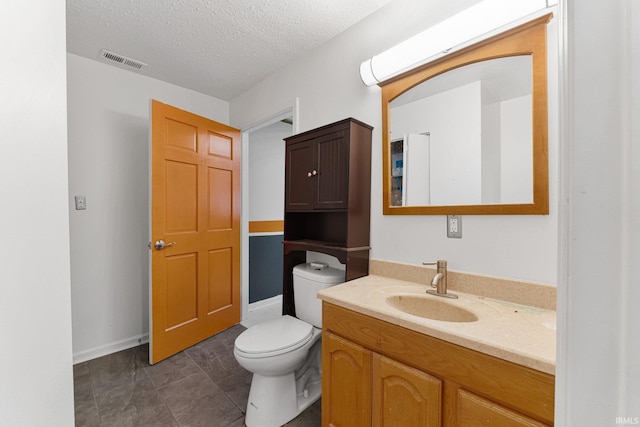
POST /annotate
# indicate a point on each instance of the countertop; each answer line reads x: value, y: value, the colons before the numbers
x: 518, y: 333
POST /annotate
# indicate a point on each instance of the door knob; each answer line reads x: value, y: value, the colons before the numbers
x: 160, y: 244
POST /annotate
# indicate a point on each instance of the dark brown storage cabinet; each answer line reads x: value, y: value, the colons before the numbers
x: 327, y: 199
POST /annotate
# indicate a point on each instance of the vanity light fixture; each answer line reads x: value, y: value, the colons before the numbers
x: 479, y: 22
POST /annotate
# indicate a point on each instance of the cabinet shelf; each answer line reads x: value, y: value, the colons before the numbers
x: 338, y: 250
x: 304, y: 244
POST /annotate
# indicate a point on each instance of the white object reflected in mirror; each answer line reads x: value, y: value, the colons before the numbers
x: 478, y: 148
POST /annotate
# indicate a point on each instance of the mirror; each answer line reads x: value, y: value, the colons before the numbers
x: 467, y: 134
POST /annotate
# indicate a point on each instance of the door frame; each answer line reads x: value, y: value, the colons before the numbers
x: 292, y: 110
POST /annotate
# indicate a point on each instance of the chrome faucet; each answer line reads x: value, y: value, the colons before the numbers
x: 439, y: 281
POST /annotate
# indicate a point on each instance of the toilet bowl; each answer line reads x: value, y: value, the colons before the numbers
x: 284, y: 354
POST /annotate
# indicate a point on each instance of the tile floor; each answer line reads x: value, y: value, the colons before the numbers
x: 201, y: 386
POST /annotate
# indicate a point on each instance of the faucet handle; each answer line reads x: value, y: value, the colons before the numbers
x: 440, y: 263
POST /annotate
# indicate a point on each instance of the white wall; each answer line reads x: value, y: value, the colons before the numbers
x: 328, y: 86
x: 598, y: 364
x: 266, y: 172
x: 36, y: 380
x: 108, y: 163
x: 631, y: 295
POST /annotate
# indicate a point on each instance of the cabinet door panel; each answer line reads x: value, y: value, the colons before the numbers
x: 299, y: 185
x: 404, y: 396
x: 332, y: 161
x: 474, y: 411
x: 346, y: 383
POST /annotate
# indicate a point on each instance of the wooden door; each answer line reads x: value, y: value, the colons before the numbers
x: 346, y: 383
x: 195, y: 210
x: 404, y: 396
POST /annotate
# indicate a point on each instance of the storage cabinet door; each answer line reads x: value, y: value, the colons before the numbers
x: 299, y: 179
x: 346, y: 383
x: 474, y: 411
x: 404, y: 396
x: 332, y: 166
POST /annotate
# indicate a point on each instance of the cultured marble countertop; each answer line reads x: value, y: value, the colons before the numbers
x: 518, y: 333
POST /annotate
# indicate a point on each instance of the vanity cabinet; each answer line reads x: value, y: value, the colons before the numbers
x: 403, y: 395
x: 376, y: 373
x: 327, y: 199
x: 346, y: 383
x: 363, y: 388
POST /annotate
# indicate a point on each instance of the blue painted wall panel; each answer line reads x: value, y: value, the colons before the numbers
x: 265, y: 267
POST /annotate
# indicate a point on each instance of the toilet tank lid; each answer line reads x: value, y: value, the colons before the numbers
x: 319, y: 272
x: 275, y: 335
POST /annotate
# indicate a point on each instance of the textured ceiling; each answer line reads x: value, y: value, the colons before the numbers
x: 217, y: 47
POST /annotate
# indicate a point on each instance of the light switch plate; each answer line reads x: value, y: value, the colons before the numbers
x: 81, y: 203
x: 454, y: 226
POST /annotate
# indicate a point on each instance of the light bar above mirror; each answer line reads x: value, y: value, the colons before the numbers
x: 451, y: 35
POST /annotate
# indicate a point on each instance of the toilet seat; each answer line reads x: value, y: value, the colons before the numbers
x: 275, y: 337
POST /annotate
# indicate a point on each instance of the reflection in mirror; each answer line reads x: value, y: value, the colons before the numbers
x: 467, y: 133
x: 464, y: 137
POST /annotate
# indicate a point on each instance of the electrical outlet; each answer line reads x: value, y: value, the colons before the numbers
x: 454, y: 226
x: 81, y: 203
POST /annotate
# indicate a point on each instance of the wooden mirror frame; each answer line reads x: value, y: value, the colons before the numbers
x: 527, y: 39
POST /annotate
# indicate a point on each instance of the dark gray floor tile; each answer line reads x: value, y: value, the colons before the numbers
x: 228, y: 336
x: 215, y: 358
x: 86, y: 410
x: 172, y: 369
x: 311, y: 417
x: 135, y: 404
x: 198, y: 401
x: 80, y: 369
x: 117, y: 370
x: 238, y: 423
x: 86, y: 416
x: 82, y: 384
x: 236, y: 387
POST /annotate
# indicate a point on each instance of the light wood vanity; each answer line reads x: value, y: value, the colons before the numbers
x: 378, y: 371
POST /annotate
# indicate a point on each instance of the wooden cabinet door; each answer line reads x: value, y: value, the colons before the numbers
x: 332, y: 167
x: 473, y: 410
x: 299, y: 176
x: 404, y: 396
x: 346, y: 383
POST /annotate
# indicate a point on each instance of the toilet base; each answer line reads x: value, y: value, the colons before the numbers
x: 274, y: 401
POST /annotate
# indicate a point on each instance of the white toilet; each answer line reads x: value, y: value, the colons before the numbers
x: 285, y: 354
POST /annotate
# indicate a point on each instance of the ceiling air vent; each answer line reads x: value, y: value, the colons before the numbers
x: 120, y: 59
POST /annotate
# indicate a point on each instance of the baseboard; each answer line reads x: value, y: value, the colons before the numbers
x: 258, y: 312
x: 106, y: 349
x: 264, y: 310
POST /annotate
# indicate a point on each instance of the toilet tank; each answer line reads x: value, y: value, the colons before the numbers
x: 308, y: 279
